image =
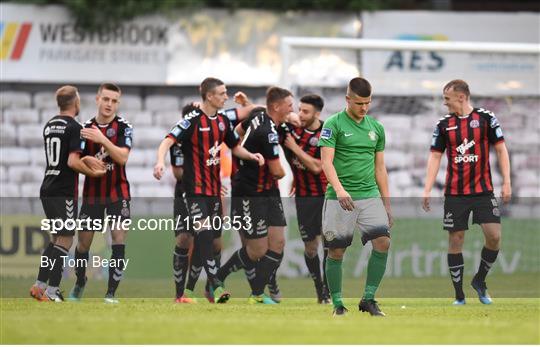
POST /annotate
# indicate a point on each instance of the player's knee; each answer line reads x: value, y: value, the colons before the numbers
x: 336, y: 253
x: 455, y: 241
x: 493, y: 241
x: 311, y: 248
x: 381, y: 244
x: 257, y: 251
x: 183, y: 240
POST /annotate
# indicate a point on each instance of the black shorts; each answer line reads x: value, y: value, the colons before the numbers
x: 309, y: 213
x: 457, y: 209
x: 64, y: 209
x: 180, y: 213
x: 120, y: 210
x: 203, y: 210
x: 257, y: 214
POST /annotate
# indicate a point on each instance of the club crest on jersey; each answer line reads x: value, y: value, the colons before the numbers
x: 110, y: 132
x: 326, y: 133
x: 128, y: 132
x: 221, y: 126
x: 372, y: 135
x: 474, y: 123
x: 313, y: 141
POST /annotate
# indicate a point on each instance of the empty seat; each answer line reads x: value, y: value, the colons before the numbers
x: 162, y: 103
x: 45, y: 100
x: 30, y: 135
x: 401, y: 179
x: 137, y: 157
x: 88, y: 100
x: 30, y: 190
x: 14, y: 155
x: 397, y: 159
x: 37, y: 156
x: 130, y: 102
x: 158, y: 191
x: 21, y: 116
x: 149, y: 137
x: 24, y: 174
x: 47, y: 113
x: 138, y: 175
x: 15, y: 100
x: 167, y: 119
x: 3, y: 174
x: 138, y: 118
x: 9, y: 191
x: 8, y: 135
x: 401, y: 122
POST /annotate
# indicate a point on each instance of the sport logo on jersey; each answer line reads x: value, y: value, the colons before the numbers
x: 214, y: 154
x: 462, y: 149
x: 273, y: 138
x: 326, y: 133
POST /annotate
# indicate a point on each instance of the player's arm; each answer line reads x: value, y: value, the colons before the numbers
x: 118, y: 154
x: 94, y: 168
x: 327, y: 159
x: 163, y: 148
x: 381, y: 177
x: 275, y: 168
x: 433, y: 164
x: 244, y: 154
x: 504, y: 167
x: 314, y: 165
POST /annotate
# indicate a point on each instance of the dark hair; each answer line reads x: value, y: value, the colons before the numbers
x: 360, y: 86
x: 109, y: 86
x: 458, y: 86
x: 275, y: 94
x: 188, y: 108
x: 208, y: 85
x: 66, y: 97
x: 314, y: 100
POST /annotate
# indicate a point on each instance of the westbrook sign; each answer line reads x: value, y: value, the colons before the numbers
x: 42, y: 44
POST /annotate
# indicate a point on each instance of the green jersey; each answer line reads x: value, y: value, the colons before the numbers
x: 355, y: 147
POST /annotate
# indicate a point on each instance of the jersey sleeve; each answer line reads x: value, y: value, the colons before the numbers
x: 328, y: 133
x: 438, y: 141
x: 495, y: 133
x: 125, y: 136
x: 181, y: 130
x: 76, y: 142
x: 176, y: 155
x: 381, y: 138
x: 268, y: 143
x: 231, y: 138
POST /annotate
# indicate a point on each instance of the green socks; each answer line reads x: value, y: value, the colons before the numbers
x: 333, y: 277
x: 375, y: 273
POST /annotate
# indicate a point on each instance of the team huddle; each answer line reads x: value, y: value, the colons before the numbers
x: 340, y: 184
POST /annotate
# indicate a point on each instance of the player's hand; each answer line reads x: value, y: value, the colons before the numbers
x: 425, y: 202
x: 96, y: 165
x: 93, y: 134
x: 292, y: 192
x: 159, y: 169
x: 345, y: 200
x: 241, y: 99
x: 224, y: 191
x: 294, y: 119
x: 506, y: 192
x: 258, y: 158
x: 289, y: 142
x: 390, y: 218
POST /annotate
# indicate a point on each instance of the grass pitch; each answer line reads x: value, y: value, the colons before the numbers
x: 295, y: 321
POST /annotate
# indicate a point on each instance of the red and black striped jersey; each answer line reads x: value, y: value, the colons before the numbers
x: 261, y: 137
x: 307, y: 183
x: 61, y: 137
x: 113, y: 186
x: 467, y: 142
x: 201, y: 137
